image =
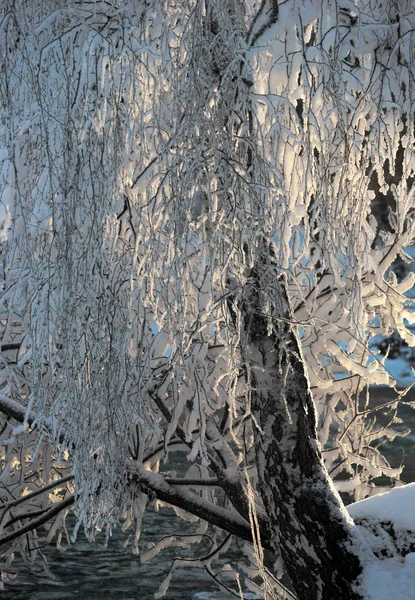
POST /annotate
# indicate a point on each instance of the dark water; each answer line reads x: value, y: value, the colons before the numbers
x: 401, y: 450
x: 95, y: 572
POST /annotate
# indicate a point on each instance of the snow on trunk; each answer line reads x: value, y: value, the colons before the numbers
x: 307, y: 523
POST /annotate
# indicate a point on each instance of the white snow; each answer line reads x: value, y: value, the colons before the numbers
x: 389, y: 578
x: 396, y: 506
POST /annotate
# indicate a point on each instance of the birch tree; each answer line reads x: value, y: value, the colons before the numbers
x: 192, y: 266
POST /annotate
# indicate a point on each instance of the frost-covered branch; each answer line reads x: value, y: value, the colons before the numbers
x: 202, y: 208
x: 12, y: 409
x: 225, y: 519
x: 45, y: 517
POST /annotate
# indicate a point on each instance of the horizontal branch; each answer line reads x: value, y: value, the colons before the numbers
x: 12, y: 409
x: 229, y: 521
x: 47, y: 516
x: 222, y: 468
x: 49, y: 486
x: 191, y: 481
x: 27, y: 515
x: 11, y: 346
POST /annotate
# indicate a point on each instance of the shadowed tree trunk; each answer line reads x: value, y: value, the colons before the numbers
x: 307, y: 523
x: 196, y: 138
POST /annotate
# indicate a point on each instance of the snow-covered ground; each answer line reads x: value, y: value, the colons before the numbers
x: 389, y: 578
x: 393, y: 577
x: 396, y: 506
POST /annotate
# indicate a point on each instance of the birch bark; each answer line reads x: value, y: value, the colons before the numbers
x: 307, y: 523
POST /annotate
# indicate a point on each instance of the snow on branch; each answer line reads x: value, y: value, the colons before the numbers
x: 162, y: 165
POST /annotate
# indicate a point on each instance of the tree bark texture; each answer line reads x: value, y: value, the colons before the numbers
x: 307, y: 523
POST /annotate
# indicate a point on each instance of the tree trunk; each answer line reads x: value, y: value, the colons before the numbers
x: 307, y: 522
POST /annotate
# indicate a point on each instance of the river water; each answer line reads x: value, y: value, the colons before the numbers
x: 95, y: 572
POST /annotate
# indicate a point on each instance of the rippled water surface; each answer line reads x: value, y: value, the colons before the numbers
x: 95, y: 572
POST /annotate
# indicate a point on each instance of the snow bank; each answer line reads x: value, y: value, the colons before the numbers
x: 396, y: 506
x: 391, y: 578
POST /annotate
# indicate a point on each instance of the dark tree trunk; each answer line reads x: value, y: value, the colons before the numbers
x: 307, y: 522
